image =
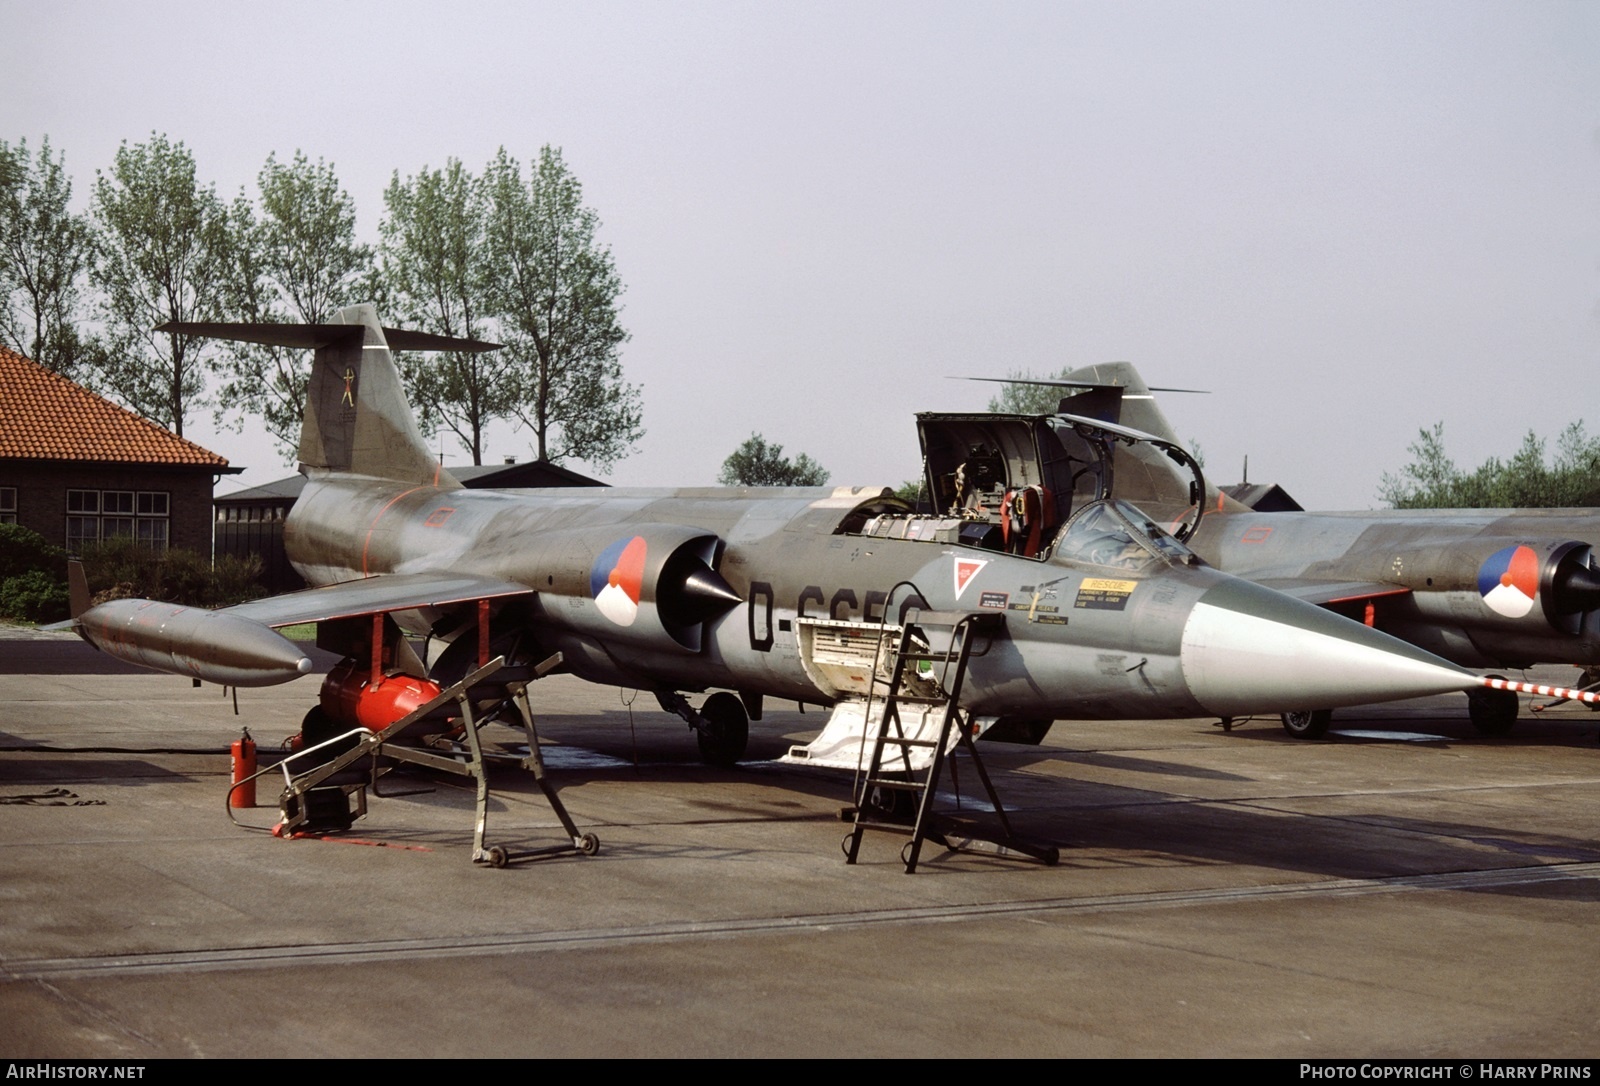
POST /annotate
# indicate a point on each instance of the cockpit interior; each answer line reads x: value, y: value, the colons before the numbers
x: 1036, y: 486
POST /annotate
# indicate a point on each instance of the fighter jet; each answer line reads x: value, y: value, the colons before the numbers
x: 1485, y: 588
x: 751, y: 593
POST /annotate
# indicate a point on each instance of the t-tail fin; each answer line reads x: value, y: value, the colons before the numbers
x: 1119, y: 394
x: 1143, y: 474
x: 357, y: 418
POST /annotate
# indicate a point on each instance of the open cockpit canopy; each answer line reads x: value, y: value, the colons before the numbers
x: 1011, y: 483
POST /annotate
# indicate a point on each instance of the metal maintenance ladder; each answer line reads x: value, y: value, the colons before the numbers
x: 323, y: 793
x: 939, y: 675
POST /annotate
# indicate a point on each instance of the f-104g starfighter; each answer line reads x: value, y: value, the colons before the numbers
x: 753, y: 593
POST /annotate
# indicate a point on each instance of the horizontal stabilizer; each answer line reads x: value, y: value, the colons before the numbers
x: 312, y: 336
x: 1049, y: 383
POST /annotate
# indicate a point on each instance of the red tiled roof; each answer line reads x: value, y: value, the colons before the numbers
x: 44, y: 416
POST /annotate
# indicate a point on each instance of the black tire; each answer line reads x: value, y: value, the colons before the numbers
x: 498, y: 857
x: 893, y: 804
x: 1493, y: 712
x: 318, y: 727
x: 589, y: 845
x: 1307, y: 723
x: 727, y: 729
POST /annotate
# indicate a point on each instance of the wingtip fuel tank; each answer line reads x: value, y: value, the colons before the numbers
x: 210, y: 645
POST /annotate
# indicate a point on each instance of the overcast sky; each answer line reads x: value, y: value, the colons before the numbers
x: 1348, y: 221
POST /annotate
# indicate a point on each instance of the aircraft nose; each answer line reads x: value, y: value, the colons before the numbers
x: 1248, y: 649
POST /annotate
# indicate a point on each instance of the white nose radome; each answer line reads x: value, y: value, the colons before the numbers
x: 1248, y: 649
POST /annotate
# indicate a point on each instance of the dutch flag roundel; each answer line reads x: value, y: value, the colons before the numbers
x: 1509, y: 580
x: 616, y: 579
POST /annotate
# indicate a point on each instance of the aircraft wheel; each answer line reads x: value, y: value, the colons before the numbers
x: 498, y: 857
x: 727, y: 729
x: 589, y: 845
x: 1307, y: 723
x: 1493, y: 712
x: 893, y: 804
x: 318, y: 727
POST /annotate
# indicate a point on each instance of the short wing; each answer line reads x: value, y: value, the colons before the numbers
x: 236, y: 647
x: 1331, y: 594
x: 374, y: 595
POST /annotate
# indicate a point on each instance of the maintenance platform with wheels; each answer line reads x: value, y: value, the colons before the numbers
x: 325, y: 783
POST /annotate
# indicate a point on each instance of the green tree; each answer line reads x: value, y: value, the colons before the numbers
x: 33, y: 585
x: 1529, y: 480
x: 554, y: 288
x: 44, y: 252
x: 163, y: 249
x: 23, y: 550
x: 297, y: 262
x: 1026, y: 399
x: 435, y: 267
x: 755, y: 463
x: 121, y: 567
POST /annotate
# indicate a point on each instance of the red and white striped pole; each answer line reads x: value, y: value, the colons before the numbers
x: 1541, y: 690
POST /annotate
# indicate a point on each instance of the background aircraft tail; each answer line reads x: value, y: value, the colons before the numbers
x: 1114, y: 392
x: 357, y: 418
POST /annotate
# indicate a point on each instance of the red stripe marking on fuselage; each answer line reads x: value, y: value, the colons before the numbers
x: 367, y: 543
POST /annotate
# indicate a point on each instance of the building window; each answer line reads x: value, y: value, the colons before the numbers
x: 8, y: 505
x: 94, y: 516
x: 153, y: 533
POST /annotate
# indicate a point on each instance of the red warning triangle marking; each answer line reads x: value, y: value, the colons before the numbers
x: 966, y: 569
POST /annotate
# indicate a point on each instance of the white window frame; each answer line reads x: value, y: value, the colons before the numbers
x: 94, y: 516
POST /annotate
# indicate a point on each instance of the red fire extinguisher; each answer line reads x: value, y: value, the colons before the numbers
x: 244, y: 766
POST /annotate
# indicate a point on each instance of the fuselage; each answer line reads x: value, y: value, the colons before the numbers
x: 1113, y: 623
x: 1481, y: 587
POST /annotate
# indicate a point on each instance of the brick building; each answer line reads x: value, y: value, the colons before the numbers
x: 77, y: 468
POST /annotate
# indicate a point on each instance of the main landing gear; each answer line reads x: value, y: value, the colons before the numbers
x: 1307, y: 723
x: 726, y: 731
x: 721, y: 725
x: 1493, y: 712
